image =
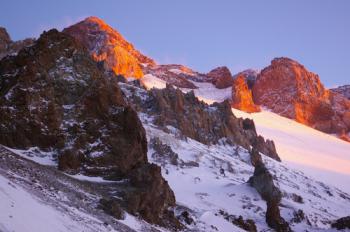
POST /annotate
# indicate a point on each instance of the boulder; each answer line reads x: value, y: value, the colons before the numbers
x: 221, y: 77
x: 342, y: 223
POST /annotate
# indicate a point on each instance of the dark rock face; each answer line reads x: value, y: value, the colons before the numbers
x: 208, y: 124
x: 152, y: 196
x: 8, y: 47
x: 342, y: 223
x: 195, y: 119
x: 221, y: 77
x: 54, y: 96
x: 262, y: 181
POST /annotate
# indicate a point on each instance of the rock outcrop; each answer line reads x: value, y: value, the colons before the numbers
x: 9, y: 47
x: 262, y: 181
x: 108, y: 46
x: 208, y: 124
x: 287, y: 88
x: 177, y: 75
x: 152, y: 196
x: 54, y: 96
x: 342, y: 223
x: 250, y: 76
x: 242, y: 96
x: 221, y: 77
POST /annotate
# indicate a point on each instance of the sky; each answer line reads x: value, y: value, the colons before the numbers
x: 204, y: 34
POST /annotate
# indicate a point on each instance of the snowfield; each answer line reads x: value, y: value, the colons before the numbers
x: 205, y: 190
x: 317, y: 154
x: 38, y: 198
x: 314, y: 175
x: 206, y: 92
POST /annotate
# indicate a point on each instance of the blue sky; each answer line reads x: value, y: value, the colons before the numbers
x: 204, y: 34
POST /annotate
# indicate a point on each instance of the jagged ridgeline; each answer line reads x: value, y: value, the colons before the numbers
x: 208, y: 124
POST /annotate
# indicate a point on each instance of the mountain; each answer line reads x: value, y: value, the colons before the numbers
x: 108, y: 46
x: 84, y: 149
x: 287, y: 88
x: 55, y: 100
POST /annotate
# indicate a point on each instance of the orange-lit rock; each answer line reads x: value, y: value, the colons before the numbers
x: 242, y: 96
x: 108, y: 45
x: 287, y: 88
x: 221, y: 77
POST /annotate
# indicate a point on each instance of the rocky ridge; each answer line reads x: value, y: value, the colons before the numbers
x: 53, y: 96
x: 208, y: 124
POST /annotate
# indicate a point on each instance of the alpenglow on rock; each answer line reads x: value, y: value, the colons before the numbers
x: 242, y: 96
x: 289, y: 89
x: 106, y: 44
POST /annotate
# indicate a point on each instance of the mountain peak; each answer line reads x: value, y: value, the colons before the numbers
x: 109, y: 46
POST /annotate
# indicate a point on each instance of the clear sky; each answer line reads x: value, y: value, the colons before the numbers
x: 204, y: 34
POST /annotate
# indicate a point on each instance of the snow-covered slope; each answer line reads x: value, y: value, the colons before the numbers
x: 206, y: 91
x: 320, y: 155
x: 38, y: 198
x: 210, y: 183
